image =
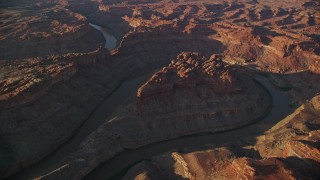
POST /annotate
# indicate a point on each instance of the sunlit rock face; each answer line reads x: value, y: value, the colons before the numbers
x: 53, y: 72
x: 289, y: 150
x: 188, y: 71
x: 193, y: 94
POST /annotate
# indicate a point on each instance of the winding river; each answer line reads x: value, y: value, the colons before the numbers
x: 111, y: 41
x: 117, y: 166
x: 100, y: 114
x: 125, y: 159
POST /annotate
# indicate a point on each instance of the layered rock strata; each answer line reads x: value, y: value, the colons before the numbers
x: 200, y: 92
x: 289, y: 150
x: 192, y: 95
x: 275, y: 36
x: 61, y: 80
x: 28, y: 118
x: 36, y: 31
x: 25, y: 81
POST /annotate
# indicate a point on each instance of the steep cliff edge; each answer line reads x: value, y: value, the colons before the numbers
x: 297, y: 135
x: 45, y: 30
x: 28, y: 118
x: 67, y: 81
x: 52, y: 73
x: 23, y: 81
x: 289, y: 150
x: 193, y: 94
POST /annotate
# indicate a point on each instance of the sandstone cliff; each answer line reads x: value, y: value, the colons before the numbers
x: 215, y: 98
x: 289, y: 150
x: 52, y: 74
x: 43, y: 32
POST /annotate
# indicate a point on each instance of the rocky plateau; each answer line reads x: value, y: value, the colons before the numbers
x: 55, y: 74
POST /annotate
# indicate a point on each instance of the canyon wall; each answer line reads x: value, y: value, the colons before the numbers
x: 193, y: 94
x: 289, y: 150
x: 74, y: 84
x: 54, y: 74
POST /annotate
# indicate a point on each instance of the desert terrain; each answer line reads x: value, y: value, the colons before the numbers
x: 159, y: 89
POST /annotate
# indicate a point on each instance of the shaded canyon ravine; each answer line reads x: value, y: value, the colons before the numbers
x: 280, y: 109
x: 101, y: 114
x: 128, y: 87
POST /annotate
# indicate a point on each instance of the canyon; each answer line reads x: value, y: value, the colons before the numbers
x: 83, y: 81
x: 289, y: 150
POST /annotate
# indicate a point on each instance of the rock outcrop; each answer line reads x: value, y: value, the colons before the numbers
x: 188, y: 71
x: 28, y: 118
x: 43, y: 32
x: 23, y: 81
x: 273, y: 36
x: 204, y: 85
x: 289, y: 150
x: 192, y: 95
x: 53, y: 74
x: 297, y: 135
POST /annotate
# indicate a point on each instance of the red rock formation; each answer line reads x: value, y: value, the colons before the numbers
x: 24, y: 81
x: 217, y: 164
x: 296, y: 135
x: 43, y: 33
x: 50, y: 88
x: 193, y: 103
x: 196, y: 79
x: 304, y: 149
x: 315, y: 68
x: 188, y: 71
x: 289, y: 150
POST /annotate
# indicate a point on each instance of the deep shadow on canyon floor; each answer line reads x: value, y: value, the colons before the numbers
x: 168, y: 89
